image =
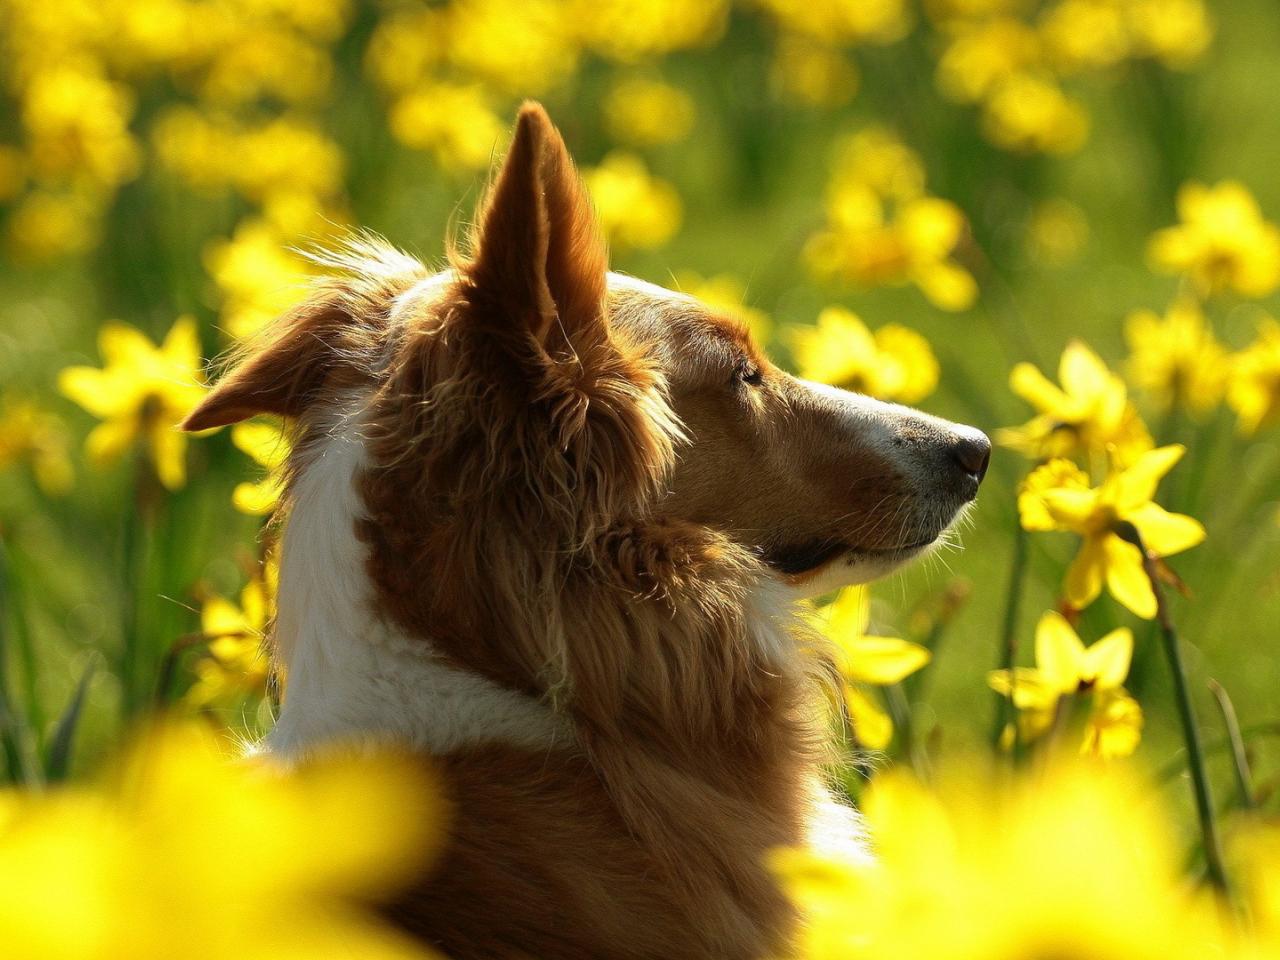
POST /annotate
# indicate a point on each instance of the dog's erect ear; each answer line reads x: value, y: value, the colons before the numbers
x: 538, y: 253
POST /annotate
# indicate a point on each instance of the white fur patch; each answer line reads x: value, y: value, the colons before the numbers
x: 351, y: 675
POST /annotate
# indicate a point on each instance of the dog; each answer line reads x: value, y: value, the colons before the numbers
x: 548, y: 525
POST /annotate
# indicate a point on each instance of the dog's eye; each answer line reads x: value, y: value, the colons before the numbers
x: 748, y: 373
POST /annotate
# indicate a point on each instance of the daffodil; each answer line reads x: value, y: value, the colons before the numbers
x: 807, y: 71
x: 981, y: 54
x: 1175, y: 32
x: 1065, y: 667
x: 257, y: 277
x: 636, y: 209
x: 32, y: 434
x: 267, y: 445
x: 140, y: 396
x: 1254, y: 386
x: 894, y: 363
x: 867, y: 660
x: 182, y: 851
x: 1176, y: 359
x: 1076, y: 860
x: 1029, y: 113
x: 1089, y: 414
x: 1222, y: 242
x: 645, y: 112
x: 1125, y: 496
x: 236, y: 662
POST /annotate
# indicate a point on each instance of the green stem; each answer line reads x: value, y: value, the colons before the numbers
x: 1240, y: 759
x: 1186, y: 712
x: 1009, y: 629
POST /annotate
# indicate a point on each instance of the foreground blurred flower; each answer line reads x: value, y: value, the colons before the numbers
x: 636, y: 209
x: 1094, y: 514
x: 1077, y: 861
x: 894, y: 363
x: 141, y: 395
x: 866, y: 660
x: 1222, y: 243
x: 1254, y: 391
x: 1066, y: 668
x: 236, y: 665
x: 1090, y: 414
x: 1176, y: 359
x: 34, y: 435
x: 183, y: 853
x: 267, y: 445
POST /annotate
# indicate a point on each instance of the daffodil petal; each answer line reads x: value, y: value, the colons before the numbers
x: 1107, y: 662
x: 882, y: 660
x: 1035, y: 388
x: 1059, y: 652
x: 108, y: 441
x: 1082, y: 372
x: 1086, y: 574
x: 871, y: 725
x: 1165, y: 533
x: 1137, y: 483
x: 1126, y: 578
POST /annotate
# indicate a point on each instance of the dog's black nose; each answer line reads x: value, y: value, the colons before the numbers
x: 971, y: 450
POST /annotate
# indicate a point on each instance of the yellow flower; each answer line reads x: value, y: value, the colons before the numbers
x: 236, y: 664
x: 1175, y: 32
x: 184, y: 852
x: 1176, y: 359
x: 1222, y: 243
x: 894, y: 363
x: 982, y: 54
x: 631, y: 32
x: 1078, y: 860
x: 518, y: 47
x: 1093, y: 514
x: 877, y: 159
x: 46, y: 225
x: 141, y: 395
x: 1029, y: 113
x: 1066, y: 668
x: 267, y: 445
x: 30, y: 433
x: 1055, y: 474
x: 812, y: 73
x: 636, y: 209
x: 455, y: 122
x: 1089, y: 414
x: 1057, y: 231
x: 843, y: 21
x: 1085, y: 34
x: 726, y: 293
x: 646, y: 112
x: 257, y: 277
x: 866, y: 660
x: 1254, y: 390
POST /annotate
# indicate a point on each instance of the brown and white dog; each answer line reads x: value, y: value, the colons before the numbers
x: 547, y: 524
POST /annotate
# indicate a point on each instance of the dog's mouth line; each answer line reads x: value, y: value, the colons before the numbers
x: 798, y: 558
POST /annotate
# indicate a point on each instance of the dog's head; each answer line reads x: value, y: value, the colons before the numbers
x: 532, y: 379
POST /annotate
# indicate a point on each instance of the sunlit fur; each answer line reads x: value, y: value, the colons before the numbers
x: 539, y: 530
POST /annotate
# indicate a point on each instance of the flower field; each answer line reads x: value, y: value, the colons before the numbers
x: 1053, y: 219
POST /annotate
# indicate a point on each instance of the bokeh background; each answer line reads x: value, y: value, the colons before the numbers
x: 979, y: 182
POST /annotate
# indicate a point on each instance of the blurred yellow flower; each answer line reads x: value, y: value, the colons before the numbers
x: 636, y: 209
x: 141, y: 395
x: 1029, y: 113
x: 1078, y: 860
x: 894, y: 363
x: 1057, y: 231
x: 32, y: 434
x: 1254, y: 385
x: 267, y: 445
x: 46, y: 225
x: 1176, y: 359
x: 1094, y: 514
x: 866, y: 660
x: 1085, y: 34
x: 981, y: 54
x: 630, y: 32
x: 1175, y: 32
x: 646, y: 112
x: 1222, y: 243
x: 257, y: 278
x: 77, y: 122
x: 454, y: 122
x: 517, y: 47
x: 1090, y: 414
x: 875, y: 158
x: 236, y: 664
x: 812, y: 73
x: 842, y: 21
x: 726, y: 293
x: 1066, y: 668
x: 183, y: 852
